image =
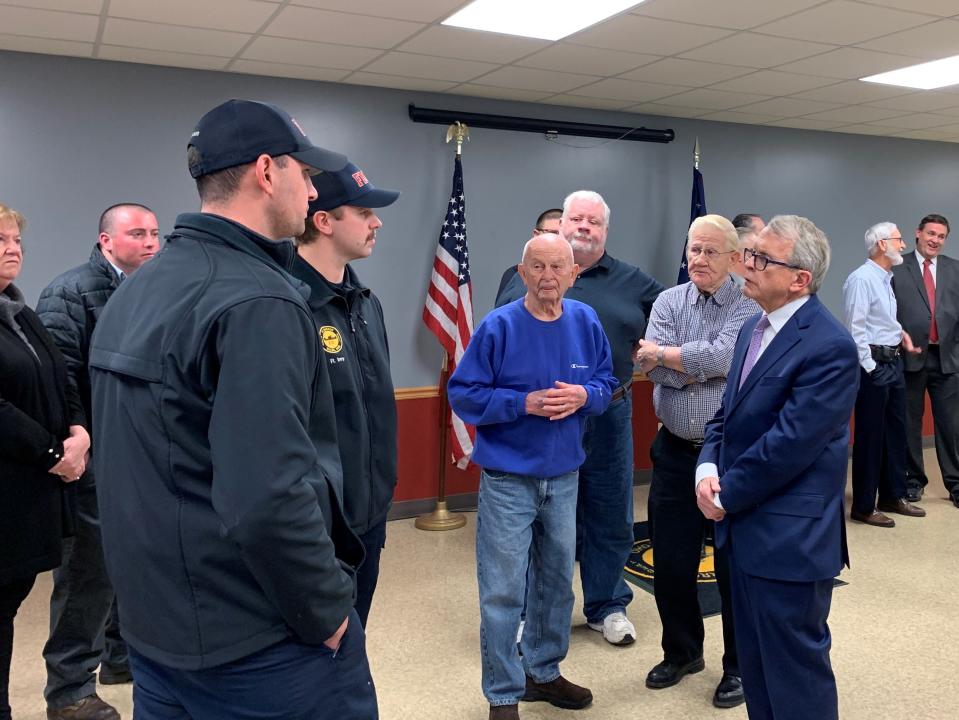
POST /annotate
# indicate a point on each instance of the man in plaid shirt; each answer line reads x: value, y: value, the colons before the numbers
x: 687, y: 353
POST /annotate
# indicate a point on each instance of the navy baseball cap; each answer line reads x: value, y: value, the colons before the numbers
x: 239, y: 131
x: 349, y: 186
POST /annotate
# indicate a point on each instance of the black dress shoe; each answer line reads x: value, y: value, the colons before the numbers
x: 667, y: 674
x: 914, y: 493
x: 955, y: 500
x: 729, y: 692
x: 901, y: 507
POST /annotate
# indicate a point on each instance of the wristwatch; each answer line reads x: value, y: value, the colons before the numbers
x: 659, y: 356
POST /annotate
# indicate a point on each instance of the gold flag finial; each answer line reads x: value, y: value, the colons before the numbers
x: 458, y: 131
x: 696, y: 154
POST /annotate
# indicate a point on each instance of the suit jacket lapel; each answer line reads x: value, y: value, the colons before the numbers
x: 913, y: 263
x: 788, y: 336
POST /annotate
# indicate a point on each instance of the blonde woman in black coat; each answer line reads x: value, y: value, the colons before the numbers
x: 43, y: 445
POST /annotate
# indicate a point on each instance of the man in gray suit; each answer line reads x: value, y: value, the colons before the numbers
x: 927, y: 294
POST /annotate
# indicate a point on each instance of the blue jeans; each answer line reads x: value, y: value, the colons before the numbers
x: 286, y: 681
x: 604, y: 513
x: 524, y: 522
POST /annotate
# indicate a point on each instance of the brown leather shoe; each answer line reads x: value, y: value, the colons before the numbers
x: 503, y: 712
x: 89, y: 708
x: 559, y: 692
x: 901, y: 507
x: 875, y: 518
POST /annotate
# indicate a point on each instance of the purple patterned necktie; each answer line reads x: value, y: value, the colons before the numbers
x: 754, y: 343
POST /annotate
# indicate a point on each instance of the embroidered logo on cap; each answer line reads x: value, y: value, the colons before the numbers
x: 360, y: 178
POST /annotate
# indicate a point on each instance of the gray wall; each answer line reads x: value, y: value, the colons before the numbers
x: 78, y: 135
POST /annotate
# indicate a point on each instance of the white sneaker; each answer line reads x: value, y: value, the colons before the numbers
x: 616, y: 628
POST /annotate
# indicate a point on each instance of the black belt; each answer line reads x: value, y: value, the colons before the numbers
x: 621, y: 390
x: 694, y: 445
x: 884, y: 353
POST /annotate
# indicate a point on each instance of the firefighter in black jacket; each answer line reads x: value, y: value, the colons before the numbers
x: 341, y: 227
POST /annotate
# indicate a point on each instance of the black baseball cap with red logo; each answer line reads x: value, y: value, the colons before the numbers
x: 349, y: 186
x: 237, y: 132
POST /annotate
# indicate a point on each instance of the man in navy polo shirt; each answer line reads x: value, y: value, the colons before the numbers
x: 622, y: 296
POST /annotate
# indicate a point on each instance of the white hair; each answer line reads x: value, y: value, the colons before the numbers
x: 879, y: 231
x: 589, y: 196
x: 810, y: 245
x: 717, y: 222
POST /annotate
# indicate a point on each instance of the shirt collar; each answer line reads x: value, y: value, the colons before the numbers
x: 118, y: 271
x: 605, y: 262
x: 780, y: 316
x: 724, y: 293
x: 877, y: 268
x: 921, y: 259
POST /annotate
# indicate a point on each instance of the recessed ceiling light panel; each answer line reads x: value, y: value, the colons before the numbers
x: 925, y: 76
x: 543, y: 19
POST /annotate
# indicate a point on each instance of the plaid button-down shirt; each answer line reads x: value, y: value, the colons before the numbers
x: 705, y: 330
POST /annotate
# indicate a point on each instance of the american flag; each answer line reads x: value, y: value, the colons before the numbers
x: 449, y: 302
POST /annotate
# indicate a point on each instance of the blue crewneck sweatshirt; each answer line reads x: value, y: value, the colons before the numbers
x: 512, y: 354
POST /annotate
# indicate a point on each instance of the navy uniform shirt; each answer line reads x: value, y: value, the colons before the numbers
x: 622, y: 296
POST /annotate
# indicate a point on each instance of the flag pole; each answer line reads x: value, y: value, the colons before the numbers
x: 441, y: 518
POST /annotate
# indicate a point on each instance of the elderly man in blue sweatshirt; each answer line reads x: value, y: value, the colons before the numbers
x: 534, y: 369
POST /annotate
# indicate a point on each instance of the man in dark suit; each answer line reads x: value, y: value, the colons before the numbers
x: 927, y: 293
x: 772, y: 472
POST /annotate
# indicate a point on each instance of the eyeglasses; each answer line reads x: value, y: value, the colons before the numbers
x: 760, y: 261
x: 708, y: 253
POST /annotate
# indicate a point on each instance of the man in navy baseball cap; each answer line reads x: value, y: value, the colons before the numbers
x: 341, y: 227
x: 237, y: 132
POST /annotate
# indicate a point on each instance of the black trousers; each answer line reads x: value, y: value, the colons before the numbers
x: 879, y: 446
x: 374, y: 540
x: 943, y: 391
x: 12, y: 594
x: 676, y: 529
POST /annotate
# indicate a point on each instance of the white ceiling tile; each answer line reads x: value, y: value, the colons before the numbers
x: 300, y: 52
x: 923, y: 101
x: 565, y: 57
x: 172, y: 39
x: 415, y: 10
x: 773, y: 82
x: 805, y: 124
x: 952, y: 128
x: 843, y: 23
x: 21, y: 43
x: 668, y: 110
x: 499, y: 93
x: 950, y: 112
x: 471, y: 44
x: 428, y: 67
x: 713, y: 99
x: 861, y: 130
x: 587, y: 102
x: 242, y: 15
x: 616, y: 89
x: 930, y: 42
x: 847, y: 63
x: 161, y: 57
x: 788, y: 107
x: 647, y: 35
x: 856, y: 114
x: 48, y: 24
x: 398, y: 83
x: 756, y: 51
x: 852, y: 92
x: 302, y: 72
x: 736, y: 14
x: 924, y: 135
x: 522, y: 78
x: 943, y: 8
x: 918, y: 121
x: 90, y: 7
x: 676, y: 71
x: 739, y: 117
x: 303, y: 23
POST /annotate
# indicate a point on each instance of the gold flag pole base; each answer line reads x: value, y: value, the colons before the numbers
x: 440, y: 519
